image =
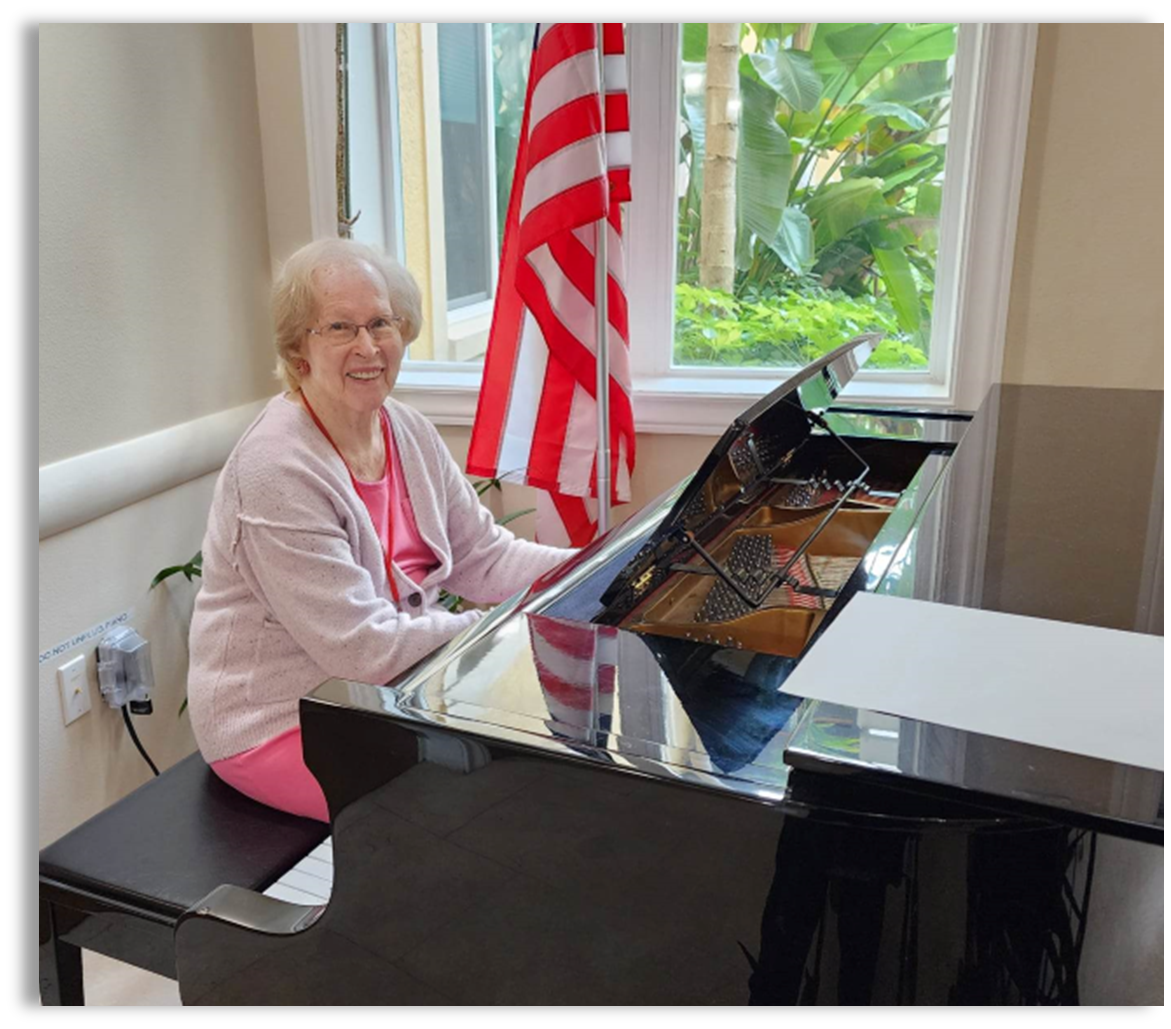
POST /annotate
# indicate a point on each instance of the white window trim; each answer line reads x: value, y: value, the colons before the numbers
x: 386, y: 70
x: 376, y: 200
x: 318, y: 46
x: 433, y: 155
x: 694, y: 401
x: 999, y: 140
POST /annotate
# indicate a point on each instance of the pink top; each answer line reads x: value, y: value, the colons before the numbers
x: 390, y: 506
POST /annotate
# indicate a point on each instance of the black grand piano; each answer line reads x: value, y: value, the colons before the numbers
x: 603, y: 793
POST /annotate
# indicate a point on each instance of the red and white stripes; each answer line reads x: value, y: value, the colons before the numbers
x: 576, y: 669
x: 537, y: 416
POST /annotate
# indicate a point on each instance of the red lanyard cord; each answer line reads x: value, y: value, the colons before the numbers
x: 386, y: 446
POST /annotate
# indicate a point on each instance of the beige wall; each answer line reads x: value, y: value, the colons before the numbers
x: 1086, y: 306
x: 153, y: 245
x: 281, y: 106
x: 154, y: 270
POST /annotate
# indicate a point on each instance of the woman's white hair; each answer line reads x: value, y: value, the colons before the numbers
x: 295, y: 303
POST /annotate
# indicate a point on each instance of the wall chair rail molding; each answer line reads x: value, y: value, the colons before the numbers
x: 88, y: 486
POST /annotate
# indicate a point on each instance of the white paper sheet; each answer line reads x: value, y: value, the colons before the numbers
x: 1077, y: 688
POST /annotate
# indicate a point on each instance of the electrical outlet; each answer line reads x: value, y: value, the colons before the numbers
x: 74, y: 689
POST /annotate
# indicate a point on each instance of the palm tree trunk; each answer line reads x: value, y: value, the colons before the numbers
x: 717, y: 239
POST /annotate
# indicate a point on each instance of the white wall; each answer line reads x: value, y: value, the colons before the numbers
x: 154, y: 272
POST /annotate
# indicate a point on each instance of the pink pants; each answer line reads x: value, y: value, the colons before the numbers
x: 275, y: 774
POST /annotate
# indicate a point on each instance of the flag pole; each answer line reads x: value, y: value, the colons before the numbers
x: 602, y: 335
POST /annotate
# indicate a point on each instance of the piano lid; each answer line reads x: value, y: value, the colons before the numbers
x: 756, y: 451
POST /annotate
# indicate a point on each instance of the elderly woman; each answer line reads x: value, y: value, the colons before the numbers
x: 335, y: 521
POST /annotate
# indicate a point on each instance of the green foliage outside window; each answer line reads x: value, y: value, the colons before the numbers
x: 840, y: 157
x: 792, y: 328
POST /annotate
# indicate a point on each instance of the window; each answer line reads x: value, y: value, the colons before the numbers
x: 811, y: 173
x: 897, y: 207
x: 469, y: 219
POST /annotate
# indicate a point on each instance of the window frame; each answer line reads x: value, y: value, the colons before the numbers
x: 987, y: 142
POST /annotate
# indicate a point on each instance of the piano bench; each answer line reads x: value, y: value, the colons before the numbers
x: 118, y: 883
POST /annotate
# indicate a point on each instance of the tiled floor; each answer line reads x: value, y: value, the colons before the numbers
x: 110, y: 983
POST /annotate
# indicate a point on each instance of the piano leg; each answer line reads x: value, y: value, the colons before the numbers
x: 60, y: 962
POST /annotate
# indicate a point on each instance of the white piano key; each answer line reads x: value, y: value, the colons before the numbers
x: 297, y: 879
x: 287, y: 893
x: 310, y: 881
x: 316, y: 867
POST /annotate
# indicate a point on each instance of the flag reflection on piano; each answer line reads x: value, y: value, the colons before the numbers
x: 576, y: 671
x: 536, y: 420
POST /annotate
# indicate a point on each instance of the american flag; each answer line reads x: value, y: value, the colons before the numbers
x: 536, y: 421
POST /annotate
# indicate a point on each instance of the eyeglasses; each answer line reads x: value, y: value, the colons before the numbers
x: 381, y: 329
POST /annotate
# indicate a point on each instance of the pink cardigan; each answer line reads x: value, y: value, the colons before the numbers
x: 294, y: 586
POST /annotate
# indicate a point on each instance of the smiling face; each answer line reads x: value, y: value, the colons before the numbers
x: 355, y: 376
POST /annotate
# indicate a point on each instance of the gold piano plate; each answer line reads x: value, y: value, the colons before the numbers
x: 785, y: 620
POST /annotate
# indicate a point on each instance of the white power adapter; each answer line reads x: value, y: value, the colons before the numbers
x: 125, y: 674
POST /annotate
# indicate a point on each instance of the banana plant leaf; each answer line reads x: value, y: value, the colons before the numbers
x: 790, y: 73
x: 764, y: 161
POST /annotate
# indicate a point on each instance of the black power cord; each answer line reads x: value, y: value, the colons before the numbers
x: 138, y: 707
x: 137, y: 741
